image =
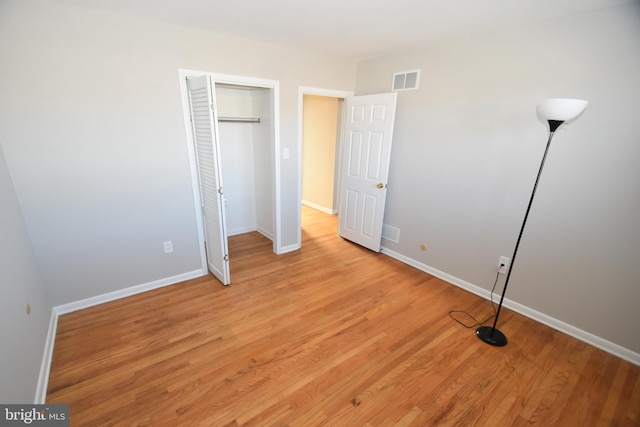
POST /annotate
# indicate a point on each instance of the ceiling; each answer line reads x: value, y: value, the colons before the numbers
x: 348, y: 28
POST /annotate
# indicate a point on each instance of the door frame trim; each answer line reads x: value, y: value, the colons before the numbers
x: 274, y: 85
x: 308, y: 90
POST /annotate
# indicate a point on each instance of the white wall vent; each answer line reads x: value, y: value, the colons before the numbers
x: 406, y: 80
x: 391, y: 233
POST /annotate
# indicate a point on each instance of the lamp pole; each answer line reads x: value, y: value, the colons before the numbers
x: 490, y: 334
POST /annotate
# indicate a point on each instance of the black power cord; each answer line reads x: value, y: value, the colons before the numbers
x: 476, y: 322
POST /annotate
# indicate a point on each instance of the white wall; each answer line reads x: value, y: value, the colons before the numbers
x: 22, y: 335
x: 467, y: 147
x: 237, y: 155
x: 93, y: 132
x: 263, y: 160
x: 246, y: 159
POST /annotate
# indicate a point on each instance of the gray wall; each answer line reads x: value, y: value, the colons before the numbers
x: 22, y: 336
x: 93, y: 131
x: 467, y: 147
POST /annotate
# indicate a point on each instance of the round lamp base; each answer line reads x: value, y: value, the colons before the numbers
x: 491, y: 336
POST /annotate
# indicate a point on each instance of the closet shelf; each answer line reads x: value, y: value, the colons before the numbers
x: 239, y: 119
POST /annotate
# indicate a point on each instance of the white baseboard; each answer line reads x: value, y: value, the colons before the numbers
x: 47, y: 355
x: 260, y: 230
x: 290, y: 248
x: 45, y: 367
x: 265, y: 233
x: 319, y: 207
x: 126, y: 292
x: 545, y: 319
x: 240, y: 231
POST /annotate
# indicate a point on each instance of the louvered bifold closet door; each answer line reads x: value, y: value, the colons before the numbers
x: 203, y: 122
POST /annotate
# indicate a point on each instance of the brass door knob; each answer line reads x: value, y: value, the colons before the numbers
x: 380, y: 185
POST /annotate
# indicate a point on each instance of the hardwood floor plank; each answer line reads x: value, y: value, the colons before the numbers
x: 334, y: 335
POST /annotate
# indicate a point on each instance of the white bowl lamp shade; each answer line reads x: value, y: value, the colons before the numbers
x: 561, y: 110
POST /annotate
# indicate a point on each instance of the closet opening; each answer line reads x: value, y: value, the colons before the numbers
x: 244, y: 129
x: 232, y: 125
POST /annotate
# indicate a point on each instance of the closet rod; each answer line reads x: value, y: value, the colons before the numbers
x: 240, y: 119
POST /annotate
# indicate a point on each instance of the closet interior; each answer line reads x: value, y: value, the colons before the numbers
x: 245, y: 138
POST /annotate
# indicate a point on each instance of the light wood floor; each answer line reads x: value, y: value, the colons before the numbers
x: 330, y: 335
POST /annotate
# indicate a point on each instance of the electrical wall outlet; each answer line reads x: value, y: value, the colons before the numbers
x: 168, y: 247
x: 503, y: 265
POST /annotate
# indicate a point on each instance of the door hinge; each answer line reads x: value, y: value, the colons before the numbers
x: 226, y: 257
x: 213, y: 106
x: 220, y: 190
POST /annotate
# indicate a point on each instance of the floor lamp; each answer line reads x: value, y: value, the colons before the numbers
x: 556, y: 112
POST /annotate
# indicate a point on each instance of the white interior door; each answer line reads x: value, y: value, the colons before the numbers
x: 205, y: 136
x: 365, y: 167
